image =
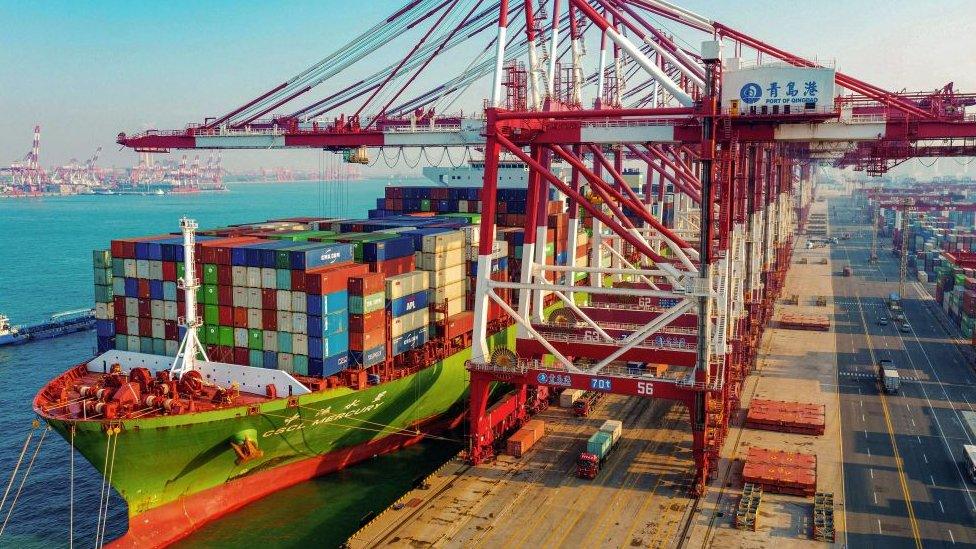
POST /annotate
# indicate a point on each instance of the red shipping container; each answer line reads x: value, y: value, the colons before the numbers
x: 367, y: 322
x: 458, y: 324
x: 366, y: 284
x: 119, y: 305
x: 145, y: 327
x: 172, y: 330
x: 240, y: 317
x: 225, y: 314
x: 241, y: 355
x: 145, y: 308
x: 269, y: 319
x: 144, y: 288
x: 360, y: 341
x: 225, y: 295
x: 298, y: 281
x: 393, y: 267
x: 225, y: 276
x: 169, y: 271
x: 334, y: 278
x: 181, y: 308
x: 269, y: 299
x: 120, y: 325
x: 218, y: 251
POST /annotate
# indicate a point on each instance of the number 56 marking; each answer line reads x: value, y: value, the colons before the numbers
x: 645, y: 388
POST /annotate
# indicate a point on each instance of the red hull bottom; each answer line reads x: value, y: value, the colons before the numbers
x: 169, y: 523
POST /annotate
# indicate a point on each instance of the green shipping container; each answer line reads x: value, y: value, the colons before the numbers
x: 283, y: 261
x: 599, y: 444
x: 283, y: 279
x: 425, y: 205
x: 550, y: 249
x: 103, y: 294
x: 300, y: 365
x: 226, y: 336
x: 359, y: 305
x: 211, y: 334
x: 256, y: 358
x: 211, y: 315
x: 159, y: 346
x: 180, y: 269
x: 102, y: 259
x: 122, y: 343
x: 255, y: 340
x: 103, y: 276
x: 209, y: 273
x: 146, y: 345
x: 284, y: 342
x: 118, y: 267
x: 209, y: 294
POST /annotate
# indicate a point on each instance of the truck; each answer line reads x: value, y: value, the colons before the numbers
x: 598, y: 447
x: 888, y: 376
x: 969, y: 459
x: 584, y: 402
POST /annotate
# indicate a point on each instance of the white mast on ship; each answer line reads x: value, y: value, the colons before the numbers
x: 190, y: 347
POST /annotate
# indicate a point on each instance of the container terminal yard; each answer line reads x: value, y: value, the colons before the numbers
x: 689, y: 327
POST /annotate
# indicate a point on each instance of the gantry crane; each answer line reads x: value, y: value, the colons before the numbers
x: 703, y: 283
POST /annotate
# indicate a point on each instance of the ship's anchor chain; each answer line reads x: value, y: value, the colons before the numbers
x: 23, y: 479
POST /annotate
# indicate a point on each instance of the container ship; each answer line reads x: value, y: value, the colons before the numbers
x: 59, y: 324
x: 322, y: 342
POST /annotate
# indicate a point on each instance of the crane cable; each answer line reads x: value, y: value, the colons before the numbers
x: 23, y: 479
x: 106, y: 492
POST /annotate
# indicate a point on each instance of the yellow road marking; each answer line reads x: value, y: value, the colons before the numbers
x: 891, y: 433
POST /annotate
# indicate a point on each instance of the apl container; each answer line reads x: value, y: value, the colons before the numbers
x: 408, y: 303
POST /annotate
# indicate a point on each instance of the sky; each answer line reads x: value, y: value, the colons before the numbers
x: 86, y: 71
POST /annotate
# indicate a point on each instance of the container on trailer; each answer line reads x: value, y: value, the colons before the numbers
x: 599, y: 444
x: 614, y: 427
x: 569, y: 397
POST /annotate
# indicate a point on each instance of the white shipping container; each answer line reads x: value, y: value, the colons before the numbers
x: 299, y: 325
x: 132, y: 327
x: 284, y: 321
x: 450, y: 291
x: 254, y: 298
x: 442, y: 242
x: 156, y: 309
x: 129, y: 268
x: 270, y: 341
x: 104, y: 311
x: 454, y: 306
x: 131, y: 306
x: 472, y: 234
x: 440, y: 260
x: 254, y: 319
x: 170, y: 311
x: 299, y: 344
x: 142, y: 268
x: 614, y: 427
x: 443, y: 277
x: 238, y: 276
x: 406, y: 284
x: 156, y: 270
x: 286, y: 362
x: 158, y: 328
x: 269, y: 278
x: 254, y: 277
x: 569, y: 397
x: 409, y: 322
x: 299, y: 302
x: 284, y: 300
x: 240, y: 337
x: 240, y: 298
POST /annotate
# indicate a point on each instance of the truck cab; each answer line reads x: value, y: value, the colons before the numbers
x: 587, y: 465
x: 888, y: 376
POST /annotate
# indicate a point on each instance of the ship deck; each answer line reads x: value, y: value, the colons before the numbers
x: 61, y: 399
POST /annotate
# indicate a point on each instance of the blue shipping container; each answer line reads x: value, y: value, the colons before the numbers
x: 335, y: 323
x: 270, y: 359
x: 324, y: 367
x: 388, y: 249
x: 409, y: 340
x: 131, y: 287
x: 104, y: 328
x: 319, y: 255
x: 409, y: 303
x: 335, y: 344
x: 369, y: 357
x: 156, y: 289
x: 328, y: 303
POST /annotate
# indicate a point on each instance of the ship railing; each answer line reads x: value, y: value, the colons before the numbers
x: 685, y: 379
x: 423, y: 128
x: 664, y: 344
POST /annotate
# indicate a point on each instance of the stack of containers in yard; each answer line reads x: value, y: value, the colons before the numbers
x: 526, y: 437
x: 103, y: 270
x: 367, y: 320
x: 389, y: 256
x: 497, y: 270
x: 330, y: 306
x: 408, y: 320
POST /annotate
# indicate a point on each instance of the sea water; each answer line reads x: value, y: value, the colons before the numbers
x: 45, y: 267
